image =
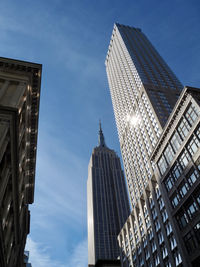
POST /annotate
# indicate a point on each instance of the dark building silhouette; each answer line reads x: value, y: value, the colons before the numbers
x: 144, y: 92
x: 108, y: 205
x: 19, y: 107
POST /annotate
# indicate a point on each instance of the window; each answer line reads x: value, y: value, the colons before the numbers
x: 183, y: 128
x: 175, y: 200
x: 161, y: 203
x: 169, y: 182
x: 157, y: 225
x: 184, y: 159
x: 183, y: 189
x: 198, y: 132
x: 150, y: 233
x: 182, y: 219
x: 148, y: 223
x: 160, y: 238
x: 144, y: 242
x: 164, y: 215
x: 169, y: 153
x: 164, y: 252
x: 192, y: 209
x: 177, y: 258
x: 193, y: 145
x: 162, y: 164
x: 176, y: 171
x: 176, y: 141
x: 190, y: 242
x: 156, y: 260
x: 153, y: 246
x: 168, y: 228
x: 191, y: 114
x: 154, y: 213
x: 172, y: 242
x: 157, y: 192
x: 192, y: 176
x: 151, y: 202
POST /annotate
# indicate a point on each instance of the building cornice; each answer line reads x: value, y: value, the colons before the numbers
x: 187, y: 91
x: 33, y: 72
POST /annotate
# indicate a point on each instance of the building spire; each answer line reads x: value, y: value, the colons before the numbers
x: 101, y: 136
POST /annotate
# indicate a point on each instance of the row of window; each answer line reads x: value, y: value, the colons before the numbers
x: 189, y: 210
x: 184, y: 187
x: 181, y: 163
x: 178, y: 137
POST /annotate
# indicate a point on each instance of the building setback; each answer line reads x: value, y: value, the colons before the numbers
x: 108, y: 205
x: 19, y: 106
x: 144, y: 92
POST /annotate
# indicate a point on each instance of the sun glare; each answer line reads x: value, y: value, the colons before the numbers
x: 133, y: 120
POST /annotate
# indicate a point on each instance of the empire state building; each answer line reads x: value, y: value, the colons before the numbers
x: 108, y: 205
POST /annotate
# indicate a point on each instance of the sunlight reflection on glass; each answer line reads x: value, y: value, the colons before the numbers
x: 133, y: 120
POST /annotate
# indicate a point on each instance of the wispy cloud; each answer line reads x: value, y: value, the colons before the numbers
x: 60, y: 184
x: 40, y: 256
x: 79, y: 256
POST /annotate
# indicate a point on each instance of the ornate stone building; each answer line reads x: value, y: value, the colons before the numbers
x: 19, y: 109
x: 177, y: 159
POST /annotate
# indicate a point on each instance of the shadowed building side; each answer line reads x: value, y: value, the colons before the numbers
x: 19, y: 108
x: 108, y: 205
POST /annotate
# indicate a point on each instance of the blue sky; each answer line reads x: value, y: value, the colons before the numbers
x: 70, y: 38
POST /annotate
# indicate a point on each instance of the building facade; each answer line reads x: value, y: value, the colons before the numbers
x: 177, y: 159
x: 108, y: 205
x: 19, y: 106
x: 144, y: 92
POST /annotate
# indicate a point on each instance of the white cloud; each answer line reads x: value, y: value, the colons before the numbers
x: 79, y: 256
x: 60, y: 181
x: 39, y: 255
x: 58, y: 215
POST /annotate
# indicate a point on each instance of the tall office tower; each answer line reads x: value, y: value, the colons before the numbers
x: 19, y: 106
x: 108, y: 205
x: 144, y: 91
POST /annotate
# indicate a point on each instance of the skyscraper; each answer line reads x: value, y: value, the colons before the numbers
x: 144, y: 91
x: 19, y: 106
x: 108, y: 205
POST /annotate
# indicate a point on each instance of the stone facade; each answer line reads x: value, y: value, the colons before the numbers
x: 19, y: 106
